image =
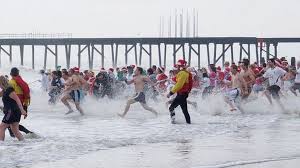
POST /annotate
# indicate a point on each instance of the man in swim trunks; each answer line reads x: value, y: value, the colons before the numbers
x: 248, y: 76
x: 236, y: 89
x: 139, y: 83
x: 73, y: 90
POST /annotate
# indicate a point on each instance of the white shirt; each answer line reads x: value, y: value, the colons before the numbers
x: 274, y: 75
x: 297, y: 79
x: 45, y: 82
x: 205, y: 82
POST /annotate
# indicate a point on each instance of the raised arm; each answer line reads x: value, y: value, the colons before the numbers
x: 129, y: 82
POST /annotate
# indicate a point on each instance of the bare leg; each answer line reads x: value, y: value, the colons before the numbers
x: 3, y: 127
x: 15, y: 129
x: 280, y: 105
x: 268, y: 95
x: 232, y: 107
x: 77, y: 104
x: 146, y: 107
x: 64, y: 100
x: 293, y: 90
x: 129, y: 102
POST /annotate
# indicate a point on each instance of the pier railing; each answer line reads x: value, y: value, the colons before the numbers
x: 144, y: 46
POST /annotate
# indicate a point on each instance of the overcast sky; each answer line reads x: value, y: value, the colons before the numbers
x: 129, y: 18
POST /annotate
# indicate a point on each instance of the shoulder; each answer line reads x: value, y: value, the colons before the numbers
x: 9, y: 90
x: 12, y: 82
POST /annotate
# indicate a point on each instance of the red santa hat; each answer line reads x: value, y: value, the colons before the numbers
x: 76, y: 69
x: 111, y: 69
x: 181, y: 63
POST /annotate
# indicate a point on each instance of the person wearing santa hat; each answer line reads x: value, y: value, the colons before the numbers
x: 183, y: 86
x: 161, y: 79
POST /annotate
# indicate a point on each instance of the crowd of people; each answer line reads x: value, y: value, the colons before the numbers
x: 235, y: 82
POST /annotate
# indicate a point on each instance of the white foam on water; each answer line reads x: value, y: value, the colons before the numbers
x: 62, y: 137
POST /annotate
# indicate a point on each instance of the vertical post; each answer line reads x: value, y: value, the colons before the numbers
x: 174, y: 54
x: 241, y: 51
x: 165, y: 55
x: 199, y: 56
x: 249, y: 52
x: 275, y: 49
x: 92, y: 54
x: 116, y: 59
x: 112, y: 55
x: 10, y: 53
x: 159, y: 55
x: 232, y: 56
x: 150, y: 55
x: 126, y: 54
x: 268, y: 51
x: 135, y: 54
x: 260, y: 54
x: 45, y: 57
x: 22, y: 54
x: 141, y: 53
x: 102, y: 56
x: 256, y: 53
x: 183, y: 51
x: 215, y: 53
x: 190, y: 54
x: 208, y: 54
x: 68, y: 55
x: 89, y: 57
x: 223, y: 55
x: 32, y: 52
x: 56, y: 57
x: 0, y: 56
x: 79, y: 55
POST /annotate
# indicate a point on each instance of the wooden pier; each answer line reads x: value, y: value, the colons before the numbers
x: 143, y: 48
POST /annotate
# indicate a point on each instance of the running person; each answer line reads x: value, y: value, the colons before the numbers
x: 139, y: 83
x: 236, y: 88
x: 13, y: 109
x: 274, y: 74
x: 73, y: 90
x: 296, y: 85
x: 22, y: 90
x: 248, y: 76
x: 183, y: 87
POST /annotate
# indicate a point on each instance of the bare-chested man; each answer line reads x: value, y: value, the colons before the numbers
x: 248, y: 76
x: 236, y: 89
x: 73, y: 90
x: 139, y: 82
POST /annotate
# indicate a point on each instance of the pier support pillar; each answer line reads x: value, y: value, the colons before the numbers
x: 32, y: 54
x: 22, y: 54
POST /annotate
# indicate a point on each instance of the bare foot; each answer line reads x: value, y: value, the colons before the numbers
x: 121, y: 115
x: 69, y: 112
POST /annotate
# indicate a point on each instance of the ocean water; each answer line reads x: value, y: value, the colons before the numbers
x: 261, y: 137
